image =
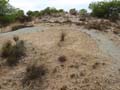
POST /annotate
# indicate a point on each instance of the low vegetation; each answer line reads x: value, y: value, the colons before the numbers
x: 6, y: 49
x: 62, y: 59
x: 102, y: 9
x: 62, y: 37
x: 46, y: 11
x: 33, y: 72
x: 83, y: 12
x: 106, y: 9
x: 9, y: 14
x: 13, y: 53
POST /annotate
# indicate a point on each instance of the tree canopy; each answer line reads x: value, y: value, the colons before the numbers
x: 8, y: 13
x: 106, y: 9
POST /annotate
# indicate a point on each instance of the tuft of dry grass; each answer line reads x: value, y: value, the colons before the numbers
x: 95, y: 65
x: 62, y: 59
x: 64, y: 87
x: 62, y: 37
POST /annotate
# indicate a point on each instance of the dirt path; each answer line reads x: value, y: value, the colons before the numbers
x: 105, y: 44
x: 21, y: 31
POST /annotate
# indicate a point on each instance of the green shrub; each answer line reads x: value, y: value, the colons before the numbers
x: 33, y: 13
x: 83, y: 12
x: 46, y: 11
x: 17, y: 51
x: 3, y: 7
x: 106, y: 9
x: 8, y: 13
x: 13, y: 53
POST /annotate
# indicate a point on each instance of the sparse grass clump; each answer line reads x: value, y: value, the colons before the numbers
x: 33, y: 72
x: 62, y: 59
x: 62, y: 38
x: 95, y: 65
x: 13, y: 53
x: 64, y: 87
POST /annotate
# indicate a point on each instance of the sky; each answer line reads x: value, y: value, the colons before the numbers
x: 59, y: 4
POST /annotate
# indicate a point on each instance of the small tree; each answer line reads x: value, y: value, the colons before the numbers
x: 3, y: 7
x: 106, y: 9
x: 83, y: 12
x: 29, y: 13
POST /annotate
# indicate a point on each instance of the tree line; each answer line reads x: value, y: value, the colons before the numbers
x: 102, y: 9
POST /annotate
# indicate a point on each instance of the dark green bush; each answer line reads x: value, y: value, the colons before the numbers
x: 106, y: 9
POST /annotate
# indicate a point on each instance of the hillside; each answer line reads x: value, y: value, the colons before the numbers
x: 72, y: 58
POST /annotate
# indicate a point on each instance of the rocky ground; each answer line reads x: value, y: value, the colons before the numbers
x: 91, y: 58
